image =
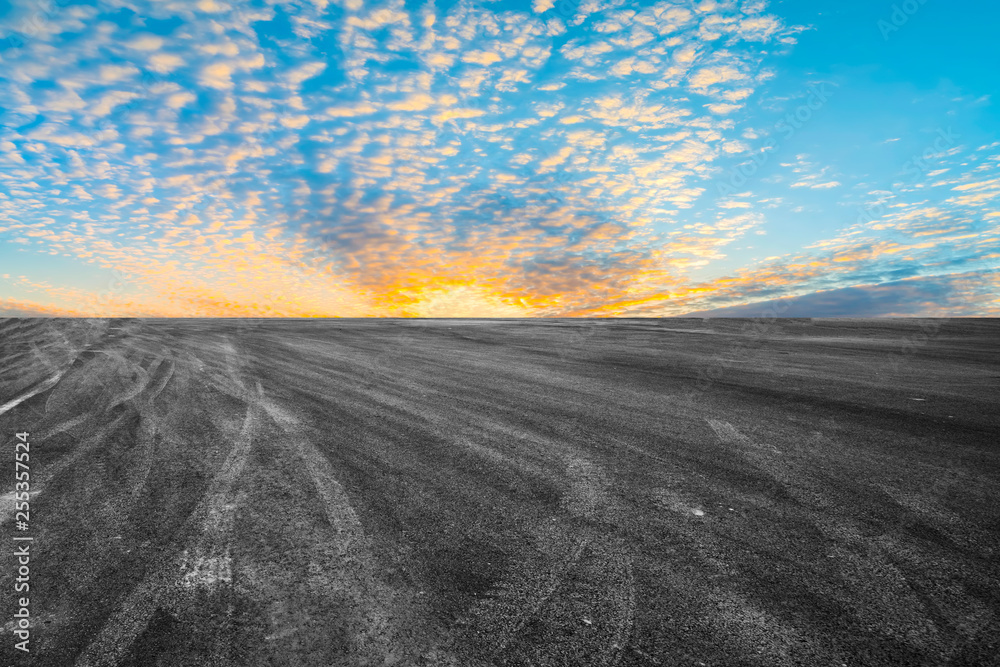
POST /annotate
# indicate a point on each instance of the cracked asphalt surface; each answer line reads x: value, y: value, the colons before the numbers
x: 506, y: 492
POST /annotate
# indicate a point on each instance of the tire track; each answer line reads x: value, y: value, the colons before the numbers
x: 521, y: 614
x: 752, y: 585
x: 624, y: 599
x: 151, y: 427
x: 593, y: 583
x: 379, y: 620
x: 728, y: 435
x: 603, y: 563
x: 589, y: 498
x: 589, y: 595
x: 211, y: 559
x: 227, y: 376
x: 73, y: 356
x: 205, y: 564
x: 41, y: 387
x: 83, y: 447
x: 41, y: 482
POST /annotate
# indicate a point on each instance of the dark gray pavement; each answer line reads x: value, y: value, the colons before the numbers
x: 475, y: 492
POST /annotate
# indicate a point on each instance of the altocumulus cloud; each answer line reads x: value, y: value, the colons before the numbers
x: 349, y: 158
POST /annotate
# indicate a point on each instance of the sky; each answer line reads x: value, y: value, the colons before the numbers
x: 478, y: 158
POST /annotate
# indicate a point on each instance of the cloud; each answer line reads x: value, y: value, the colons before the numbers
x: 458, y: 113
x: 457, y: 158
x: 217, y: 75
x: 362, y: 109
x: 932, y: 296
x: 145, y: 42
x: 164, y: 63
x: 116, y: 73
x: 811, y: 183
x: 418, y: 102
x: 481, y: 57
x: 723, y: 109
x: 295, y: 76
x: 181, y: 99
x: 706, y: 77
x: 758, y: 28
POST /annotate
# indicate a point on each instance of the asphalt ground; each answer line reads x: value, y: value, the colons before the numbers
x: 505, y: 492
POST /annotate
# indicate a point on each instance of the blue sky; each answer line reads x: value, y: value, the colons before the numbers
x: 538, y: 158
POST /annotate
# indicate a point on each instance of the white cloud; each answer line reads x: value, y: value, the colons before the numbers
x: 181, y: 99
x: 145, y: 42
x: 217, y: 75
x: 418, y: 102
x: 482, y: 57
x: 116, y: 73
x: 362, y: 109
x: 295, y: 76
x: 711, y: 76
x: 164, y: 63
x: 723, y: 109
